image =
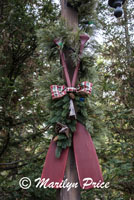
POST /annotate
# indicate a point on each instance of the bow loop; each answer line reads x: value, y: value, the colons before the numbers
x: 60, y: 91
x: 84, y: 88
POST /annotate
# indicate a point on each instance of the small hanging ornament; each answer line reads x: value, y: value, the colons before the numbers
x: 72, y: 96
x: 82, y: 99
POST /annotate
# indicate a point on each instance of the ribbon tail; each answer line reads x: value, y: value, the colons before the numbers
x: 72, y: 109
x: 65, y: 69
x: 85, y: 156
x: 57, y: 42
x: 54, y: 168
x: 84, y: 38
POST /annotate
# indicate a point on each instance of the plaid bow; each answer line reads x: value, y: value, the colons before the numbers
x: 60, y: 91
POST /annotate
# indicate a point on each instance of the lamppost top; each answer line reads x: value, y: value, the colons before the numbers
x: 117, y: 4
x: 113, y: 3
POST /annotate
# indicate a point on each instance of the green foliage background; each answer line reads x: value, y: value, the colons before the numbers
x: 29, y: 64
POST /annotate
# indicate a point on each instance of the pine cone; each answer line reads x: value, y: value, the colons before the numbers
x: 56, y: 138
x: 72, y: 96
x: 57, y: 128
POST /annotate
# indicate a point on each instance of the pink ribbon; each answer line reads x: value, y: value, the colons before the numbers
x: 83, y: 39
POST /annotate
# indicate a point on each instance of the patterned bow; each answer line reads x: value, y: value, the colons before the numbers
x: 60, y: 91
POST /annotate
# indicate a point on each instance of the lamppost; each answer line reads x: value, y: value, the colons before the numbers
x: 117, y: 4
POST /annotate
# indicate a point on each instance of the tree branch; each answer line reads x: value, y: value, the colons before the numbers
x: 14, y: 165
x: 6, y: 144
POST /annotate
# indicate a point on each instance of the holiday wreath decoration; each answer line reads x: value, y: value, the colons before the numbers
x: 81, y: 6
x: 70, y: 128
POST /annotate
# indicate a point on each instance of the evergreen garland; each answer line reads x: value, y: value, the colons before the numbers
x: 69, y: 39
x: 81, y: 6
x: 60, y: 113
x: 58, y: 110
x: 58, y: 30
x: 86, y: 12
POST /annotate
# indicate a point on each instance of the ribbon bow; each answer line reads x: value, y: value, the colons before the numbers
x: 60, y: 91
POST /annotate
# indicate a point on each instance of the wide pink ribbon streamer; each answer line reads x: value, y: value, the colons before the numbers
x: 87, y: 163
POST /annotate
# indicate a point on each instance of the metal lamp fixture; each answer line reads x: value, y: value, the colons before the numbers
x: 117, y: 4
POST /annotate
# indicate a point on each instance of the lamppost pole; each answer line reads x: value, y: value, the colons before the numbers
x: 71, y: 18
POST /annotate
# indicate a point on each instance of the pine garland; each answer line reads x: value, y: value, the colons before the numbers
x: 58, y: 110
x: 60, y: 113
x: 86, y: 10
x: 68, y: 38
x: 81, y: 5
